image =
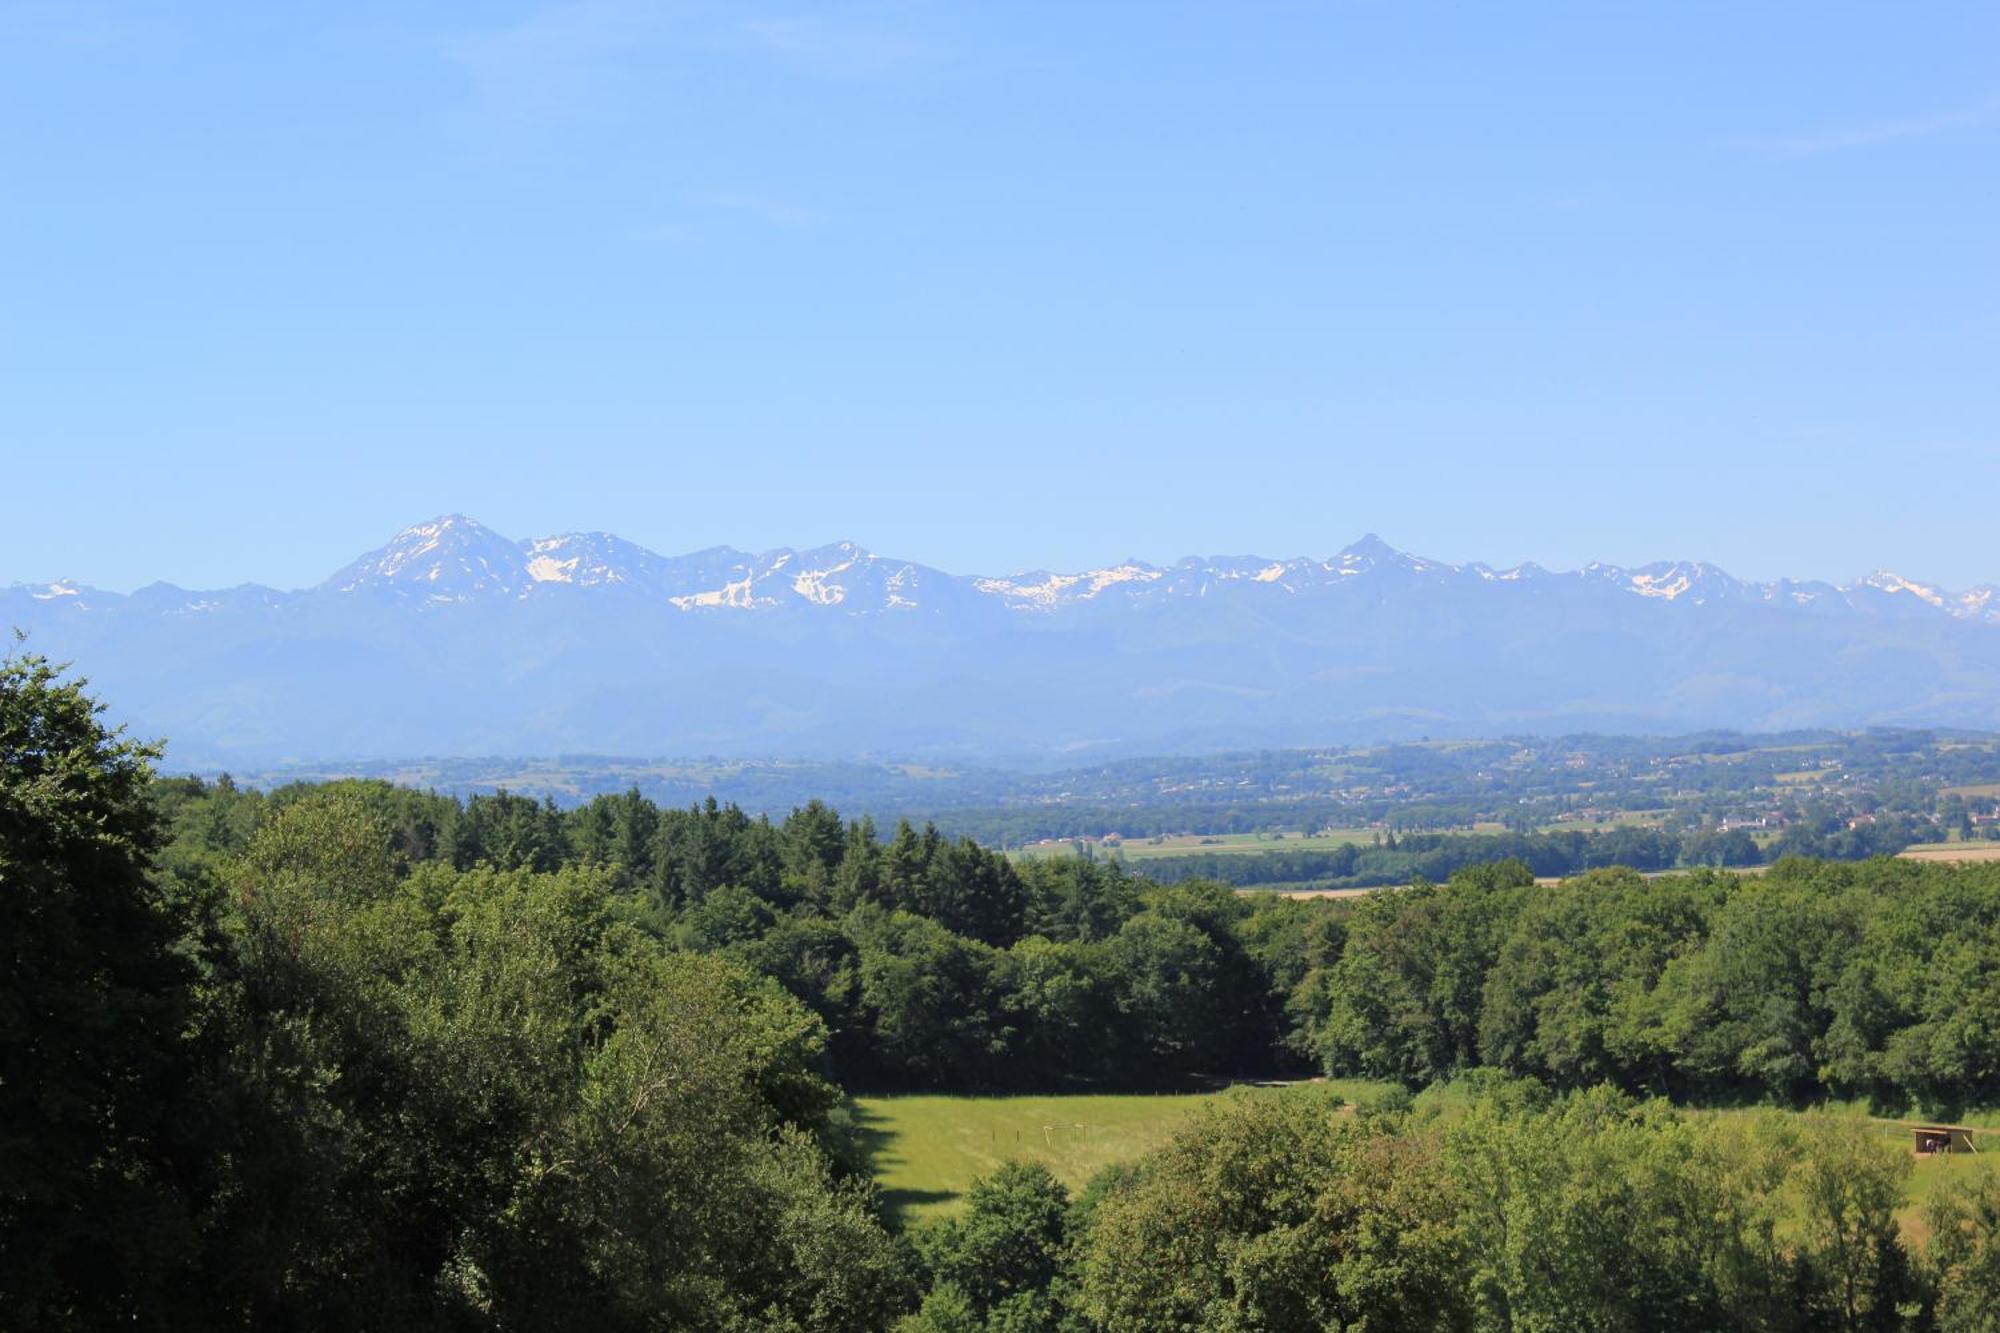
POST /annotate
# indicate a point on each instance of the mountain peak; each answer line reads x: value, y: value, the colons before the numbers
x: 443, y: 527
x: 1888, y: 581
x: 1672, y: 579
x: 449, y: 558
x: 1370, y: 553
x: 1371, y: 546
x: 838, y: 553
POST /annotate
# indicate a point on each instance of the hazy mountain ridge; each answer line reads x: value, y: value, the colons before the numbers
x: 454, y: 639
x: 455, y: 559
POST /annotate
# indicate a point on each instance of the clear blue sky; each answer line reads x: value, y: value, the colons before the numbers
x: 996, y: 286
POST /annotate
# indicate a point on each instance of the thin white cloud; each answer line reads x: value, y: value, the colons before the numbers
x: 556, y: 63
x: 574, y: 57
x: 839, y: 49
x: 1884, y: 131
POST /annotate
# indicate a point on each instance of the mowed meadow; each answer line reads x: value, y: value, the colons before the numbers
x: 925, y: 1152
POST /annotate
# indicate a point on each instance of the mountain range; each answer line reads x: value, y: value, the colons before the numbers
x: 452, y: 639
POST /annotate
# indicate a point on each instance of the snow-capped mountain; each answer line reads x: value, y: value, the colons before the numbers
x: 447, y: 559
x: 454, y: 638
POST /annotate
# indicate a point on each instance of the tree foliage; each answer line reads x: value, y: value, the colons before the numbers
x: 347, y: 1056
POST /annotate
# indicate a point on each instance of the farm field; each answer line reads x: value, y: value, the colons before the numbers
x: 1621, y: 819
x: 1312, y: 891
x: 1953, y: 851
x: 1195, y: 844
x: 1134, y: 850
x: 1315, y: 891
x: 927, y: 1150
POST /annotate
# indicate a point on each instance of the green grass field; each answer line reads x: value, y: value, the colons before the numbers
x: 927, y: 1151
x: 1933, y: 1174
x: 1928, y: 1174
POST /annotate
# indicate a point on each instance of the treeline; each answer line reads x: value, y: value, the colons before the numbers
x: 933, y: 964
x: 1401, y: 859
x: 1017, y: 826
x: 1525, y: 1211
x: 940, y: 965
x: 1876, y: 980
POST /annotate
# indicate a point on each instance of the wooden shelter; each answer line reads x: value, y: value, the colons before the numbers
x: 1943, y: 1138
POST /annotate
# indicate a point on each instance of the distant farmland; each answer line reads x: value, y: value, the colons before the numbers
x: 1257, y: 844
x: 1235, y: 844
x: 1953, y: 851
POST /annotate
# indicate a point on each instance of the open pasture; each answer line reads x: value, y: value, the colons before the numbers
x: 1929, y: 1173
x: 927, y: 1150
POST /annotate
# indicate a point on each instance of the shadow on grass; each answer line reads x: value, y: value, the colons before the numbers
x: 897, y: 1203
x: 859, y: 1138
x: 863, y: 1144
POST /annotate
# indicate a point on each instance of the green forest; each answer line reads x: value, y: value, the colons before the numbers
x: 353, y: 1056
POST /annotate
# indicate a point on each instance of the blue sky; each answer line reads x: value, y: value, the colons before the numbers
x: 1001, y: 286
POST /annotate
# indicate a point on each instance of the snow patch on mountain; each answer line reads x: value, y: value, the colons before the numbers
x: 1045, y: 591
x: 812, y: 585
x: 1126, y: 573
x: 1887, y: 582
x: 741, y: 594
x: 1978, y: 603
x: 900, y: 583
x: 1654, y: 585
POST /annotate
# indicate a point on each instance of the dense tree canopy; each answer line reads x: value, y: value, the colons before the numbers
x: 350, y: 1088
x: 93, y: 1000
x: 1856, y: 980
x: 942, y: 965
x: 932, y: 963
